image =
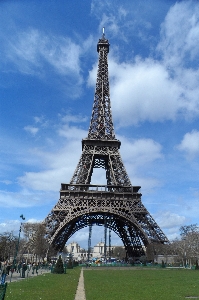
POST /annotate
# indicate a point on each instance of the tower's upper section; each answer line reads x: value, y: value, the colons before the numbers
x: 101, y: 125
x: 103, y: 43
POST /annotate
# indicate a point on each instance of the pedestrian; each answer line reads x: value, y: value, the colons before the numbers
x: 3, y: 277
x: 8, y: 269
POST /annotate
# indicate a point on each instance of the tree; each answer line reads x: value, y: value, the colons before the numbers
x: 160, y: 249
x: 36, y: 242
x: 186, y: 248
x: 197, y: 266
x: 163, y: 264
x: 7, y: 245
x: 119, y: 252
x: 59, y: 267
x: 70, y: 263
x: 187, y: 229
x: 189, y: 243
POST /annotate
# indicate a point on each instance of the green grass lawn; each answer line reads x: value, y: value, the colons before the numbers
x: 109, y: 284
x: 46, y: 287
x: 155, y: 284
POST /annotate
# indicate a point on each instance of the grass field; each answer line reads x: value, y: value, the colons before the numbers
x: 45, y: 287
x: 155, y: 284
x: 108, y: 284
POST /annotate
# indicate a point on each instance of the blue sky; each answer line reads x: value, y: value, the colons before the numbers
x: 48, y: 66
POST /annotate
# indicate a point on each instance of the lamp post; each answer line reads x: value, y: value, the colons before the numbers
x: 17, y: 248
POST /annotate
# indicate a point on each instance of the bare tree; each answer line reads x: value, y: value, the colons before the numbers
x: 186, y: 248
x: 189, y: 243
x: 119, y: 252
x: 7, y: 245
x: 35, y: 241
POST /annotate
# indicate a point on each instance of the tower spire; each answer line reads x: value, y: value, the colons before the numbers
x: 101, y: 125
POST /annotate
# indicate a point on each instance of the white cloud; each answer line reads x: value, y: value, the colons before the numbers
x: 14, y: 225
x: 39, y: 124
x: 32, y: 220
x: 179, y: 49
x: 179, y: 34
x: 10, y: 163
x: 55, y: 165
x: 43, y: 181
x: 140, y: 151
x: 169, y: 219
x: 38, y: 119
x: 10, y: 226
x: 60, y: 165
x: 72, y: 132
x: 41, y: 121
x: 62, y: 54
x: 7, y: 182
x: 164, y: 87
x: 138, y: 156
x: 91, y: 80
x: 141, y: 92
x: 190, y: 144
x: 170, y: 223
x: 22, y: 198
x: 145, y: 91
x: 68, y: 118
x: 33, y: 130
x: 124, y: 19
x: 148, y: 183
x: 30, y: 50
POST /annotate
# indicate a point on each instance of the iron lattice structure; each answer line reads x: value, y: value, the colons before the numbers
x: 116, y: 205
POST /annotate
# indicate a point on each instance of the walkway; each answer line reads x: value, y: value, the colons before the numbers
x: 17, y: 276
x: 80, y: 293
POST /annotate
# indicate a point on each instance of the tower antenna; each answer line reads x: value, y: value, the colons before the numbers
x: 103, y: 32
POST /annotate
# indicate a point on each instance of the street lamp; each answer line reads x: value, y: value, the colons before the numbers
x: 17, y: 247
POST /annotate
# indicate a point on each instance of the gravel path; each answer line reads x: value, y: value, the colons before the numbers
x: 80, y: 293
x: 17, y: 276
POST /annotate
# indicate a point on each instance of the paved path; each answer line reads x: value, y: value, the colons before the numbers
x: 80, y: 293
x: 17, y: 276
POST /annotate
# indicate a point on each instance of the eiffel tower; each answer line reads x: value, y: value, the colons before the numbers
x: 117, y: 204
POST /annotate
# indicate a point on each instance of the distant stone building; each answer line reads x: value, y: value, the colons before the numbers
x: 78, y: 254
x: 168, y: 259
x: 73, y: 248
x: 81, y: 254
x: 99, y: 250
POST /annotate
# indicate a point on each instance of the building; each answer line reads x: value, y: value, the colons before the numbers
x: 97, y: 252
x: 79, y: 254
